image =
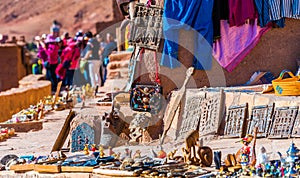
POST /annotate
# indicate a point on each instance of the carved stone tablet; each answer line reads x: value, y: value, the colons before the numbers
x: 81, y: 135
x: 202, y: 111
x: 146, y: 28
x: 296, y: 128
x: 210, y: 114
x: 191, y: 115
x: 235, y: 121
x: 261, y: 117
x: 283, y: 121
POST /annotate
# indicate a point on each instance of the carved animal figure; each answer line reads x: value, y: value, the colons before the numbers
x: 186, y: 156
x: 191, y: 141
x: 171, y: 154
x: 206, y: 156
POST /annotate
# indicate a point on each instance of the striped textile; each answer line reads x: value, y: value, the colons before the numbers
x: 284, y: 8
x: 263, y: 9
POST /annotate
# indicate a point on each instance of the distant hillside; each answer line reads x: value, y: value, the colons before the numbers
x: 34, y: 17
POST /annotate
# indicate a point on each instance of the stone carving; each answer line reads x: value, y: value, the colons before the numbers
x: 191, y: 114
x: 296, y: 128
x: 202, y: 112
x: 210, y: 113
x: 283, y: 121
x: 261, y: 117
x: 194, y: 152
x: 205, y: 154
x: 191, y: 142
x: 113, y: 126
x: 146, y: 28
x: 82, y: 135
x: 140, y: 122
x: 235, y: 121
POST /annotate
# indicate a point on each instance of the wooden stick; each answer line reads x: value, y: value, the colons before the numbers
x: 253, y: 162
x: 171, y: 112
x: 63, y: 134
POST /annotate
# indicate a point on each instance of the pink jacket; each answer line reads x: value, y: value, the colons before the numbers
x: 52, y: 49
x: 52, y: 52
x: 71, y: 52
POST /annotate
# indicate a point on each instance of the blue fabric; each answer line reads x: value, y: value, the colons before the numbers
x: 193, y: 15
x: 263, y: 9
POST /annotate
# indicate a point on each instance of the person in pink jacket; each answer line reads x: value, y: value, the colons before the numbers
x: 70, y: 57
x: 52, y: 48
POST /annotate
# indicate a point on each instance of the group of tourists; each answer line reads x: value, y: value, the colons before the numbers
x: 74, y: 60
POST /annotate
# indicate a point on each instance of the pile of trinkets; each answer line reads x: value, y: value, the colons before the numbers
x: 6, y: 133
x: 158, y: 164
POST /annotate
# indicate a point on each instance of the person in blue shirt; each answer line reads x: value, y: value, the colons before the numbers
x: 111, y: 46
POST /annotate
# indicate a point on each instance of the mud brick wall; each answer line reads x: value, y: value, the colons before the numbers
x: 29, y: 93
x: 117, y: 70
x: 12, y: 68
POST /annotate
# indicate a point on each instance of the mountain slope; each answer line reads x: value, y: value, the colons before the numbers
x: 34, y: 17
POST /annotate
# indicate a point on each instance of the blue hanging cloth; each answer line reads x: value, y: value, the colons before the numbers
x: 193, y: 15
x: 263, y: 9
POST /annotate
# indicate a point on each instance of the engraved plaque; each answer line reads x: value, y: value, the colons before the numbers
x: 83, y: 134
x: 296, y: 128
x: 146, y: 28
x: 235, y: 121
x: 283, y: 121
x: 261, y: 117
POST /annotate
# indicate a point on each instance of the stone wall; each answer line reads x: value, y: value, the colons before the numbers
x: 12, y: 66
x: 31, y: 90
x: 117, y: 71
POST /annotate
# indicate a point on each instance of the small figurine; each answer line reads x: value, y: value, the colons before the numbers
x: 217, y: 159
x: 137, y: 154
x: 262, y: 157
x: 86, y: 149
x: 292, y: 156
x: 161, y: 153
x: 116, y: 156
x: 127, y: 154
x: 171, y: 154
x: 101, y: 151
x: 245, y: 151
x: 93, y: 149
x: 110, y: 151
